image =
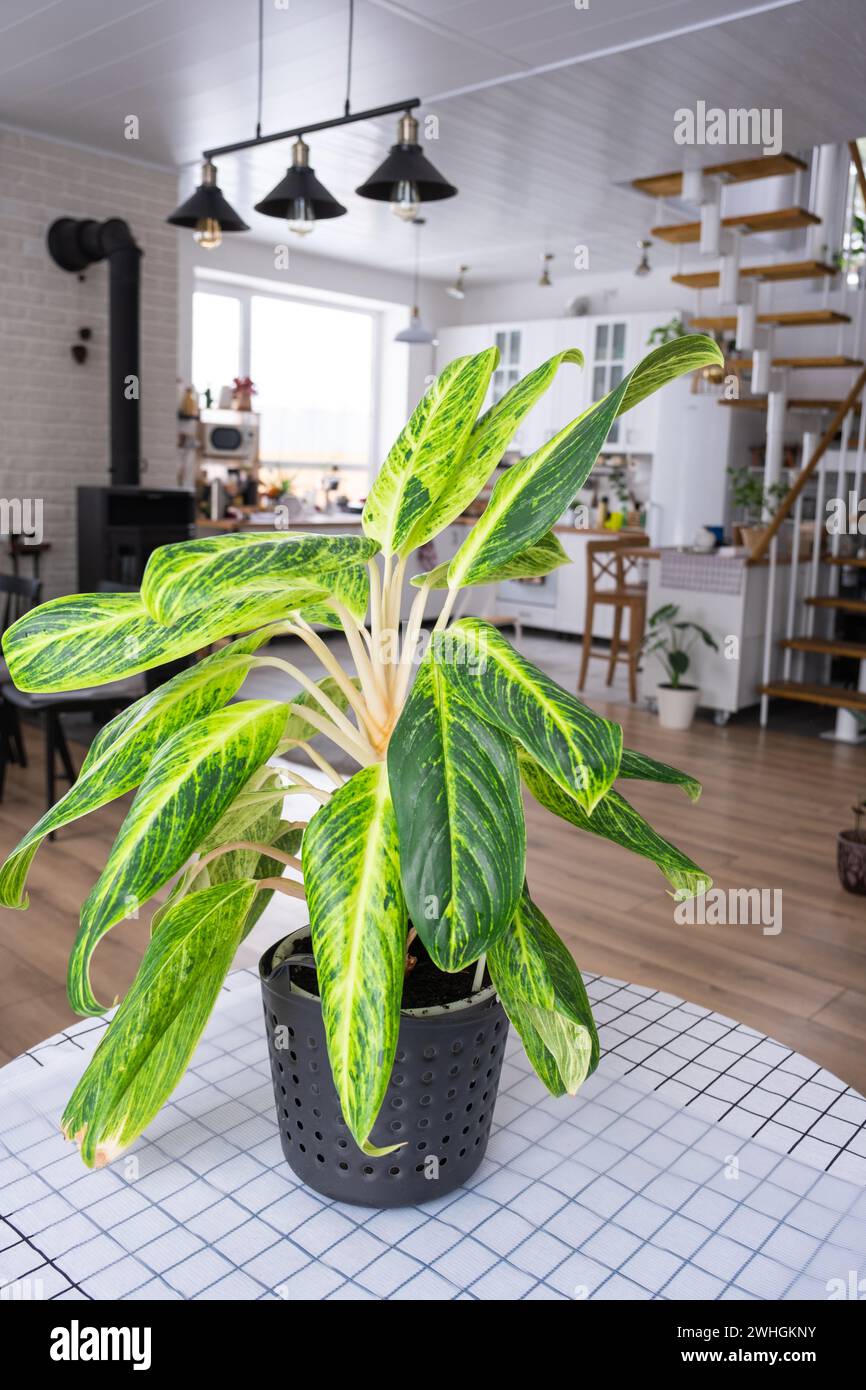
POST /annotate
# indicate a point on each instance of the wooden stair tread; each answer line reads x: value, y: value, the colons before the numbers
x: 780, y: 220
x: 835, y: 695
x: 733, y: 171
x: 808, y: 362
x: 826, y: 646
x: 855, y: 561
x: 794, y: 403
x: 787, y: 270
x: 843, y: 605
x: 807, y: 318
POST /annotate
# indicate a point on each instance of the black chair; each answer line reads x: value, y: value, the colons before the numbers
x: 18, y: 596
x: 100, y: 702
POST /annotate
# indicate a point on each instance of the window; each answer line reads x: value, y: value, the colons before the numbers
x: 313, y: 368
x: 216, y: 341
x: 608, y: 364
x: 507, y: 374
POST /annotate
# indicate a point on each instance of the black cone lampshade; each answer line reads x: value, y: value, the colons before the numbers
x: 300, y: 197
x: 406, y: 178
x: 208, y: 212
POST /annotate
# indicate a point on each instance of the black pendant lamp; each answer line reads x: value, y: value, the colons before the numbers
x: 208, y: 212
x: 406, y: 178
x: 300, y: 197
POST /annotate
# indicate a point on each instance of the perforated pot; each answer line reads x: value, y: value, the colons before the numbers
x: 439, y: 1102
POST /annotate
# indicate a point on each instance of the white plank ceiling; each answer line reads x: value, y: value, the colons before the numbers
x: 539, y: 157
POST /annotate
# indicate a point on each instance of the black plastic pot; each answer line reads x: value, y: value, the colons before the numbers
x: 439, y: 1102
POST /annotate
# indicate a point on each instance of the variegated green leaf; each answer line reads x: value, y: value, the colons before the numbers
x: 188, y: 785
x: 419, y: 466
x: 644, y: 769
x: 190, y: 576
x: 151, y: 1038
x: 532, y: 495
x: 579, y: 749
x: 456, y: 794
x: 614, y: 819
x: 91, y: 639
x: 543, y: 993
x: 358, y: 924
x: 486, y: 445
x: 537, y: 559
x: 120, y: 754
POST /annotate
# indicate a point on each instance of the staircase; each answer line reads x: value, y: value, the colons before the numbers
x: 816, y: 580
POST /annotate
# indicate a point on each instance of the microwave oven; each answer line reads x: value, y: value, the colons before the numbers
x: 229, y: 440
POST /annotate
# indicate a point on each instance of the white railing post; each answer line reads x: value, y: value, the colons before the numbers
x: 767, y: 669
x: 816, y: 545
x: 793, y: 579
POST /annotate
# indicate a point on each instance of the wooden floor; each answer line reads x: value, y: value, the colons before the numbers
x: 768, y: 818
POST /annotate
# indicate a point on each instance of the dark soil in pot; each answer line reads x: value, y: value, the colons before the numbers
x: 851, y: 859
x: 440, y: 1098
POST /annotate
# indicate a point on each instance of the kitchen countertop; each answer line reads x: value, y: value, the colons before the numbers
x: 310, y: 523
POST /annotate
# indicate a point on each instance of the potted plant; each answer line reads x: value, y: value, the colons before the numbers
x: 672, y: 640
x: 749, y: 495
x: 852, y: 853
x: 386, y: 1017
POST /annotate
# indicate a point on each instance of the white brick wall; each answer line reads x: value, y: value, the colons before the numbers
x: 54, y: 413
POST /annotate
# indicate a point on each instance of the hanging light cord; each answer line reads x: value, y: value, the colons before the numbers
x: 261, y: 61
x: 348, y: 104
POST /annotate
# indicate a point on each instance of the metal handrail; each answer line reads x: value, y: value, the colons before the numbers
x: 806, y: 472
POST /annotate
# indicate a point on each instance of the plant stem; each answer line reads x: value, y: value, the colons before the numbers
x: 288, y: 859
x: 442, y: 620
x: 282, y: 885
x: 350, y: 743
x: 334, y: 713
x: 367, y: 674
x: 333, y: 667
x: 410, y: 644
x: 479, y: 974
x: 320, y: 761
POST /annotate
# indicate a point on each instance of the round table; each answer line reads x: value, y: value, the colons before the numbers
x: 701, y: 1161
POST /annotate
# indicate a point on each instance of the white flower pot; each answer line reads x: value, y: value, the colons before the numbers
x: 677, y: 706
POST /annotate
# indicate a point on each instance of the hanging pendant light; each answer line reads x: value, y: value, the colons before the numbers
x: 406, y: 178
x: 458, y: 289
x: 300, y: 197
x: 416, y: 331
x: 207, y: 212
x: 643, y: 266
x: 544, y: 279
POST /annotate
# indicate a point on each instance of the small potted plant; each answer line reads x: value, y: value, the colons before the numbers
x: 852, y: 853
x: 671, y: 639
x: 754, y: 502
x: 386, y: 1017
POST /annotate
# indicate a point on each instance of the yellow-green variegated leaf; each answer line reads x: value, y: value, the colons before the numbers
x: 191, y: 576
x: 419, y: 466
x: 532, y: 495
x: 91, y: 639
x: 537, y: 559
x: 358, y: 924
x: 614, y: 819
x: 188, y: 786
x: 644, y: 769
x: 544, y: 996
x: 486, y: 445
x: 579, y: 749
x: 456, y: 793
x: 151, y: 1038
x: 120, y: 754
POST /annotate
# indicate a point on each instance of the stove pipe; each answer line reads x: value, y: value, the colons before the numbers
x: 74, y: 244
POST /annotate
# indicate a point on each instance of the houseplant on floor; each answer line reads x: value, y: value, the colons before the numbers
x: 414, y: 867
x: 671, y: 639
x: 852, y: 852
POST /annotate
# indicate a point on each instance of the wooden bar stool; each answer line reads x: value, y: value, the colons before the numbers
x: 612, y: 577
